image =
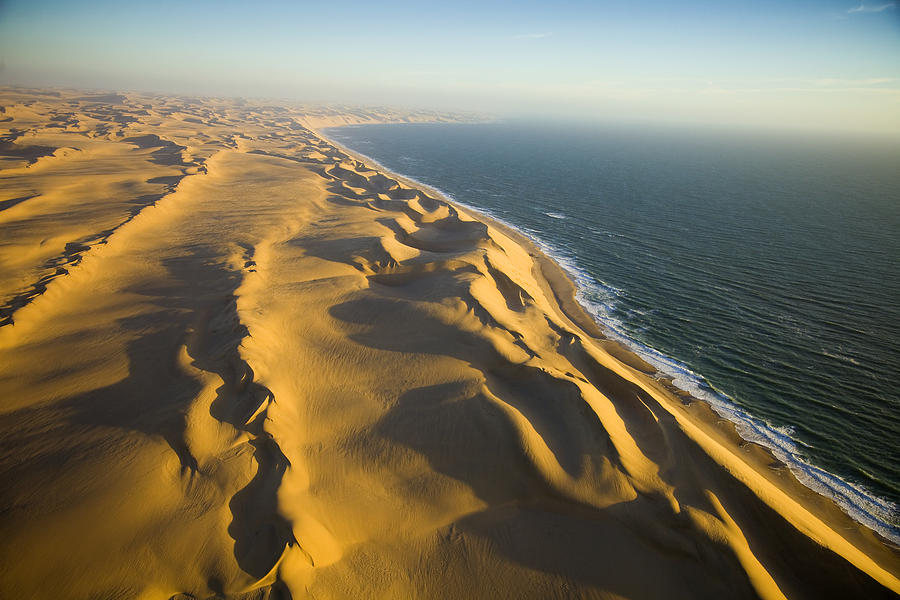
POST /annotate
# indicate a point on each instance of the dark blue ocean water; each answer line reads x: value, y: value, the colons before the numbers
x: 759, y: 270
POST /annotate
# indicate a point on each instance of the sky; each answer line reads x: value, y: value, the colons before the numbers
x: 826, y: 64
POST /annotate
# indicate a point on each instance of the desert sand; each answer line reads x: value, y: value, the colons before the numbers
x: 238, y: 361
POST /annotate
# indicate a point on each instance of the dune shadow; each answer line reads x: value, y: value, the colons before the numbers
x: 353, y: 251
x: 554, y: 407
x: 31, y: 154
x: 465, y: 435
x: 168, y: 153
x: 73, y: 251
x: 195, y: 308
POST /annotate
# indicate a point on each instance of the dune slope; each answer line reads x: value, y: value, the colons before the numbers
x: 237, y: 361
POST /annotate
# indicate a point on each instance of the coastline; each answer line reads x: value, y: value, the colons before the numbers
x: 697, y: 413
x: 241, y: 362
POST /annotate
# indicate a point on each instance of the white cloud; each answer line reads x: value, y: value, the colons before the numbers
x: 870, y: 8
x: 533, y: 36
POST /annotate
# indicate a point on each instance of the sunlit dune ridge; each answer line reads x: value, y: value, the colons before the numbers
x: 236, y: 360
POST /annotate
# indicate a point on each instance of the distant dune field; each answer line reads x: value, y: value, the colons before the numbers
x: 238, y: 361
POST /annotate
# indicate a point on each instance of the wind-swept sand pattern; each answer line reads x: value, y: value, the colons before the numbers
x: 237, y: 361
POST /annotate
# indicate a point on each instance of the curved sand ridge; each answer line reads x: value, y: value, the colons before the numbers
x: 290, y: 374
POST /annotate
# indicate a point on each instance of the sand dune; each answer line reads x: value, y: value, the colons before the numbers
x: 238, y: 361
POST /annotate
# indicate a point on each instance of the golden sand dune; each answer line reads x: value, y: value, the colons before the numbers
x: 237, y: 361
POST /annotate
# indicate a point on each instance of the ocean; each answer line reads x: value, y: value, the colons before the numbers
x: 758, y: 269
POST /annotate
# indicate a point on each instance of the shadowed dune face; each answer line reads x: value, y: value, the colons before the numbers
x: 237, y: 362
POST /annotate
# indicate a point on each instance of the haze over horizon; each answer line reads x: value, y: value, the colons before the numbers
x: 822, y: 65
x: 611, y: 314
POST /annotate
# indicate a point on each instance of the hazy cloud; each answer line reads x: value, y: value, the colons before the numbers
x: 830, y: 81
x: 533, y: 36
x: 872, y: 8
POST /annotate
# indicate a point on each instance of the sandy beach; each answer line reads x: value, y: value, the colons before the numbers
x: 237, y: 360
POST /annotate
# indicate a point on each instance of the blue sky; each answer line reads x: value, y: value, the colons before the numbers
x: 825, y: 64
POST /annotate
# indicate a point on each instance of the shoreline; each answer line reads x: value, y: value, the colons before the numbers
x: 562, y: 282
x: 251, y: 364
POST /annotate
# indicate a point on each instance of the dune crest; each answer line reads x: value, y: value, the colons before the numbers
x: 238, y: 361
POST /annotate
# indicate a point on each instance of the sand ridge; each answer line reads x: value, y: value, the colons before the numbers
x: 237, y: 360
